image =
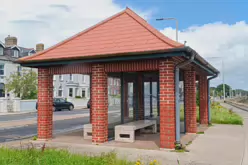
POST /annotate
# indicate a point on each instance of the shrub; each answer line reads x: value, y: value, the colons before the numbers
x: 78, y: 97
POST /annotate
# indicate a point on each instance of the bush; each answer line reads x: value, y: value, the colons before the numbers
x: 78, y: 97
x: 219, y: 115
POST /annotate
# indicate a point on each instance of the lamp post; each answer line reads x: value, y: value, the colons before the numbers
x: 171, y: 18
x: 223, y: 75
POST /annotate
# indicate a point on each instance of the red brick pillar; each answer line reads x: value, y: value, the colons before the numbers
x: 99, y: 107
x: 167, y: 103
x: 203, y: 99
x: 141, y: 96
x: 126, y: 110
x: 190, y: 101
x: 45, y: 104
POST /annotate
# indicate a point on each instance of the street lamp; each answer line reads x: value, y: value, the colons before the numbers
x: 223, y: 75
x: 162, y: 19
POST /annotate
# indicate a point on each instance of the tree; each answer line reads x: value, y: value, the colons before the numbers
x: 219, y: 90
x: 23, y: 85
x: 212, y: 91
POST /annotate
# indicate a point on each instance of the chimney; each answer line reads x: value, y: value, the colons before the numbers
x: 10, y: 41
x: 39, y: 47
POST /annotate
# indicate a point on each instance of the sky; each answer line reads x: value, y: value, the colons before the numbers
x: 216, y: 29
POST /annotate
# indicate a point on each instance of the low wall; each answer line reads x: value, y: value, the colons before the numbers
x: 28, y: 105
x: 9, y: 105
x: 79, y: 103
x: 114, y: 100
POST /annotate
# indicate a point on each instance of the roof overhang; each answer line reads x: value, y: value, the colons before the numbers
x: 185, y: 52
x: 2, y: 44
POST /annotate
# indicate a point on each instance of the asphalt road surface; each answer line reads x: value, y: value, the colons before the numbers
x: 33, y: 115
x: 59, y: 126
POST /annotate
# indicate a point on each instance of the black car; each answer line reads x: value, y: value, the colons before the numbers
x: 59, y: 104
x: 88, y: 104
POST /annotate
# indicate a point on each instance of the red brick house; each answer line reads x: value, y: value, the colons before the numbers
x: 127, y: 47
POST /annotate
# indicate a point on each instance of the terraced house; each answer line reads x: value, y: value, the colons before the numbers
x: 10, y: 51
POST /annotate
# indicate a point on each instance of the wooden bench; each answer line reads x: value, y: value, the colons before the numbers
x: 126, y: 132
x: 87, y: 131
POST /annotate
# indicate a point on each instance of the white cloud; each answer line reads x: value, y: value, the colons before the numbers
x: 49, y: 21
x: 230, y: 42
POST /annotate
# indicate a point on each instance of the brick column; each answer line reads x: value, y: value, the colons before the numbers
x: 126, y: 110
x: 99, y: 104
x: 45, y: 104
x: 141, y: 96
x: 167, y: 103
x: 203, y: 99
x: 190, y: 101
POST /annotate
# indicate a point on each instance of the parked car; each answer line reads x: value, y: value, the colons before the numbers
x: 60, y: 103
x: 88, y: 104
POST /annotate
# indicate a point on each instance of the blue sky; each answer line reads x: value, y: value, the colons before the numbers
x: 214, y: 28
x: 192, y: 12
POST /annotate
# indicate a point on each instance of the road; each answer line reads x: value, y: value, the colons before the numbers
x: 59, y: 126
x: 33, y: 115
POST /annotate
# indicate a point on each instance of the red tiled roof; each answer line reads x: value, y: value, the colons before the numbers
x: 123, y: 33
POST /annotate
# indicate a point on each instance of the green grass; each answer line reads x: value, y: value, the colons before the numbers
x: 219, y: 115
x: 55, y: 157
x: 200, y: 133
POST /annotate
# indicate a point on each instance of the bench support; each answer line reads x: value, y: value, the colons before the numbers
x: 88, y: 131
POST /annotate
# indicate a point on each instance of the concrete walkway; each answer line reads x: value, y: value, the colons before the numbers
x: 244, y: 136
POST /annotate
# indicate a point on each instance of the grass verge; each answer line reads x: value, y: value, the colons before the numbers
x: 55, y: 157
x: 219, y: 115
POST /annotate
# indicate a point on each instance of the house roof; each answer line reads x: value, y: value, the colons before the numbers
x: 122, y: 34
x: 8, y: 55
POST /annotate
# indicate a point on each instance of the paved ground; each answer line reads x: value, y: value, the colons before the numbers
x: 33, y: 115
x: 18, y: 126
x: 220, y: 145
x: 59, y: 127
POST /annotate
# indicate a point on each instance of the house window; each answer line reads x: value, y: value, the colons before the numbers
x: 31, y: 53
x: 60, y: 92
x: 71, y: 92
x: 83, y: 93
x: 88, y: 92
x: 61, y: 77
x: 16, y: 52
x: 71, y: 77
x: 1, y: 51
x: 2, y: 92
x: 1, y: 69
x: 83, y: 78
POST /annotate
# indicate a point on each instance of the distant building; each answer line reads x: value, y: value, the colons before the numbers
x: 114, y: 86
x: 71, y: 86
x: 10, y: 51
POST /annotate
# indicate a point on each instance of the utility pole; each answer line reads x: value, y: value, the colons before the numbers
x: 162, y: 19
x: 223, y: 81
